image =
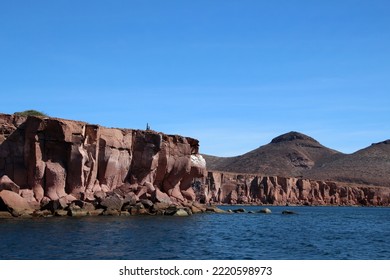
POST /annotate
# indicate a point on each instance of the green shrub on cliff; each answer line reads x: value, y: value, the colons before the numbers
x: 31, y: 113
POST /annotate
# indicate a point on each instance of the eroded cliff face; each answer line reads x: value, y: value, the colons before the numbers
x: 73, y: 168
x: 231, y: 188
x: 51, y: 159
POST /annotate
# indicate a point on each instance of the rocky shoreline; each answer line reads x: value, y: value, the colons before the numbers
x: 118, y: 204
x: 112, y: 205
x: 56, y: 167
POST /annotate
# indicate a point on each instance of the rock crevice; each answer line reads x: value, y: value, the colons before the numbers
x: 64, y: 167
x: 230, y: 188
x: 54, y: 158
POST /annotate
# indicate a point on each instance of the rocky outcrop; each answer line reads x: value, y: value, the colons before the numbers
x: 61, y: 167
x: 231, y: 188
x: 7, y: 184
x: 48, y: 159
x: 14, y: 203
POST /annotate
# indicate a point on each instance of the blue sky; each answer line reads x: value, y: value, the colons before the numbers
x: 233, y: 74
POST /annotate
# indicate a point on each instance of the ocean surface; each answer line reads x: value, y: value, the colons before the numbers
x: 318, y: 233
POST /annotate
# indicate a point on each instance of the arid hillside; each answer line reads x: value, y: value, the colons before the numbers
x: 297, y: 155
x: 289, y: 155
x: 367, y: 166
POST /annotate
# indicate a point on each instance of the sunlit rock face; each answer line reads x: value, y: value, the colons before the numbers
x: 230, y: 188
x: 56, y: 164
x: 55, y: 158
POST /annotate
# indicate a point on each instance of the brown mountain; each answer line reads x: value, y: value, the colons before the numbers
x: 367, y: 166
x: 297, y: 155
x: 288, y: 155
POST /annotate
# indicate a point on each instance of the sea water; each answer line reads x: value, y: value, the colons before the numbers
x: 317, y: 233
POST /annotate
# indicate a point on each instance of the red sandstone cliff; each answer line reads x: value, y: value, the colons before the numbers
x: 296, y: 169
x: 232, y: 188
x: 51, y: 159
x: 73, y: 168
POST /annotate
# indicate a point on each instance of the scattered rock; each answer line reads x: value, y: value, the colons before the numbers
x: 215, y: 210
x: 113, y: 202
x: 189, y: 194
x: 159, y: 196
x: 100, y: 196
x: 111, y: 212
x: 181, y: 213
x: 288, y: 212
x: 7, y: 184
x: 42, y: 213
x: 28, y: 195
x: 130, y: 200
x: 240, y: 210
x: 44, y: 201
x: 76, y: 205
x: 5, y: 215
x: 124, y: 213
x: 143, y: 211
x: 64, y: 202
x: 14, y: 203
x: 61, y: 213
x: 68, y: 198
x: 88, y: 196
x: 147, y: 203
x: 265, y: 211
x: 74, y: 212
x: 52, y: 206
x: 133, y: 211
x: 198, y: 208
x: 174, y: 210
x: 159, y: 208
x: 171, y: 210
x: 96, y: 212
x: 87, y: 206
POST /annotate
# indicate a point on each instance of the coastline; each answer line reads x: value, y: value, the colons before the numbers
x: 57, y: 167
x: 175, y: 211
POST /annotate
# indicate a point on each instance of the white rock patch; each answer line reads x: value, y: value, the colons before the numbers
x: 198, y: 161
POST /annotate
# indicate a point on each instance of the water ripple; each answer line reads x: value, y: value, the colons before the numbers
x: 315, y: 233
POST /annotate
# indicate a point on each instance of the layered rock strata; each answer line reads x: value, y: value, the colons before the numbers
x: 46, y: 160
x: 232, y: 188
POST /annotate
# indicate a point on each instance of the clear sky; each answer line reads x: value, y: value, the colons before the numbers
x: 233, y: 74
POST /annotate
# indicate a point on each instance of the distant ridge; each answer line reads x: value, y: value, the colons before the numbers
x: 370, y: 165
x: 287, y: 155
x: 297, y: 155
